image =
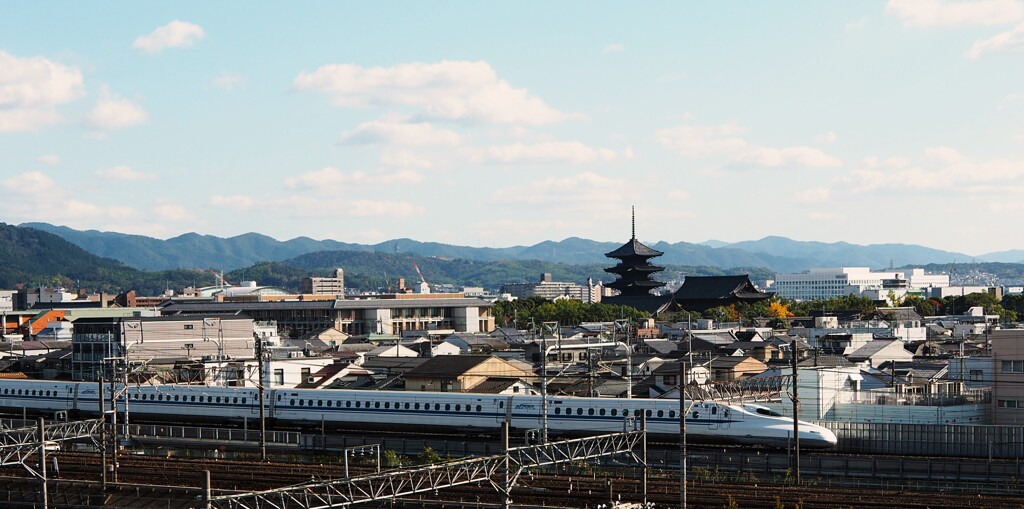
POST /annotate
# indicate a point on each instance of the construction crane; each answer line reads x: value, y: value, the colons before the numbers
x: 219, y: 278
x: 424, y: 286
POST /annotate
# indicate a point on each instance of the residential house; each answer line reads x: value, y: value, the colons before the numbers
x: 881, y: 350
x: 729, y: 369
x: 460, y: 373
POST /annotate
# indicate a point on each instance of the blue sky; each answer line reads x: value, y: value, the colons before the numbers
x: 498, y: 124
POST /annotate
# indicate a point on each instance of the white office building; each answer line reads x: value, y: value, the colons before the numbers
x: 818, y: 284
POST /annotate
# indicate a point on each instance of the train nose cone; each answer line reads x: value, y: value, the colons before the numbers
x: 823, y: 438
x: 829, y: 436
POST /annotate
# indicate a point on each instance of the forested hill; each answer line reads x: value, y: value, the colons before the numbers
x: 371, y: 271
x: 36, y: 258
x: 777, y: 253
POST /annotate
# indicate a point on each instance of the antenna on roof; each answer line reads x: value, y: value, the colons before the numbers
x: 633, y: 208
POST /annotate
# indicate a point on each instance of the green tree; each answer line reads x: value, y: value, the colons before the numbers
x: 1013, y: 303
x: 923, y: 307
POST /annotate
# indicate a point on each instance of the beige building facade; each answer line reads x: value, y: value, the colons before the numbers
x: 1008, y: 369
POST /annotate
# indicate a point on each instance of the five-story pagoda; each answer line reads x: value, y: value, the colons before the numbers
x: 634, y: 270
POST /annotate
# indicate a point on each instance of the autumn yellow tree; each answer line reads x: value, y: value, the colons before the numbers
x: 779, y: 310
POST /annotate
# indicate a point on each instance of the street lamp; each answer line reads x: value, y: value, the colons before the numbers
x: 359, y: 450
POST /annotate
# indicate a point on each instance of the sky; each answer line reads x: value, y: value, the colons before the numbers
x: 510, y: 123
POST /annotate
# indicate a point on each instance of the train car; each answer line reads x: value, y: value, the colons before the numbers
x: 707, y: 421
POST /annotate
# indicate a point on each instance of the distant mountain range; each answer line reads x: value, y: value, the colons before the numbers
x: 33, y: 257
x: 778, y: 254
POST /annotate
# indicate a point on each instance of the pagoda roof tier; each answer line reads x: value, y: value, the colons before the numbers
x: 623, y: 268
x: 619, y: 284
x: 634, y: 248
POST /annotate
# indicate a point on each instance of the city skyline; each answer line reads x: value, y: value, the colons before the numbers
x: 508, y: 124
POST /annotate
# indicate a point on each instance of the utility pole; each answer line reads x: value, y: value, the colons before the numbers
x: 113, y: 419
x: 546, y: 326
x: 42, y: 463
x: 682, y: 434
x: 796, y: 414
x: 103, y: 436
x: 260, y: 386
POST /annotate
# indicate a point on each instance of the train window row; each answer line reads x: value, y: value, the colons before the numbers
x: 190, y: 399
x: 387, y: 405
x: 33, y: 392
x: 614, y: 412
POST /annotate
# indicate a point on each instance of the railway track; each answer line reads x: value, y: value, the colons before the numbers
x: 538, y: 488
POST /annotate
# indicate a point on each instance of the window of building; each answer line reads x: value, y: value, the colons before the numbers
x: 976, y: 375
x: 1013, y: 366
x: 278, y: 377
x: 305, y: 374
x: 1010, y: 403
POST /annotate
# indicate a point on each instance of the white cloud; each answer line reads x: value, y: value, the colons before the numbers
x: 396, y: 132
x: 332, y: 179
x: 32, y: 88
x: 939, y: 169
x: 825, y: 216
x: 176, y: 34
x: 1006, y: 207
x: 229, y: 81
x: 947, y: 13
x: 614, y: 48
x: 726, y: 141
x: 811, y: 196
x: 856, y: 25
x: 123, y: 173
x: 406, y: 159
x: 449, y: 90
x: 113, y: 112
x: 34, y: 183
x: 370, y: 208
x: 1010, y: 101
x: 1011, y: 41
x: 583, y: 187
x: 50, y: 159
x: 173, y: 212
x: 789, y: 156
x: 701, y: 141
x: 829, y: 137
x: 571, y: 152
x: 59, y: 207
x: 236, y: 202
x: 678, y: 195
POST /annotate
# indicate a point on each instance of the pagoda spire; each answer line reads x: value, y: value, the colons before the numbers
x: 633, y: 208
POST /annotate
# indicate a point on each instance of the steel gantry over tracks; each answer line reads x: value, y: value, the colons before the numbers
x: 17, y: 444
x: 346, y: 492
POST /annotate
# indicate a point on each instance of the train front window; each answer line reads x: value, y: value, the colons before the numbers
x: 767, y: 411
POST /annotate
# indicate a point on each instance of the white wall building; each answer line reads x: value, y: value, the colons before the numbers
x: 827, y: 283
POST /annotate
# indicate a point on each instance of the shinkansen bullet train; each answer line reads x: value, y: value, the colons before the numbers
x: 709, y: 422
